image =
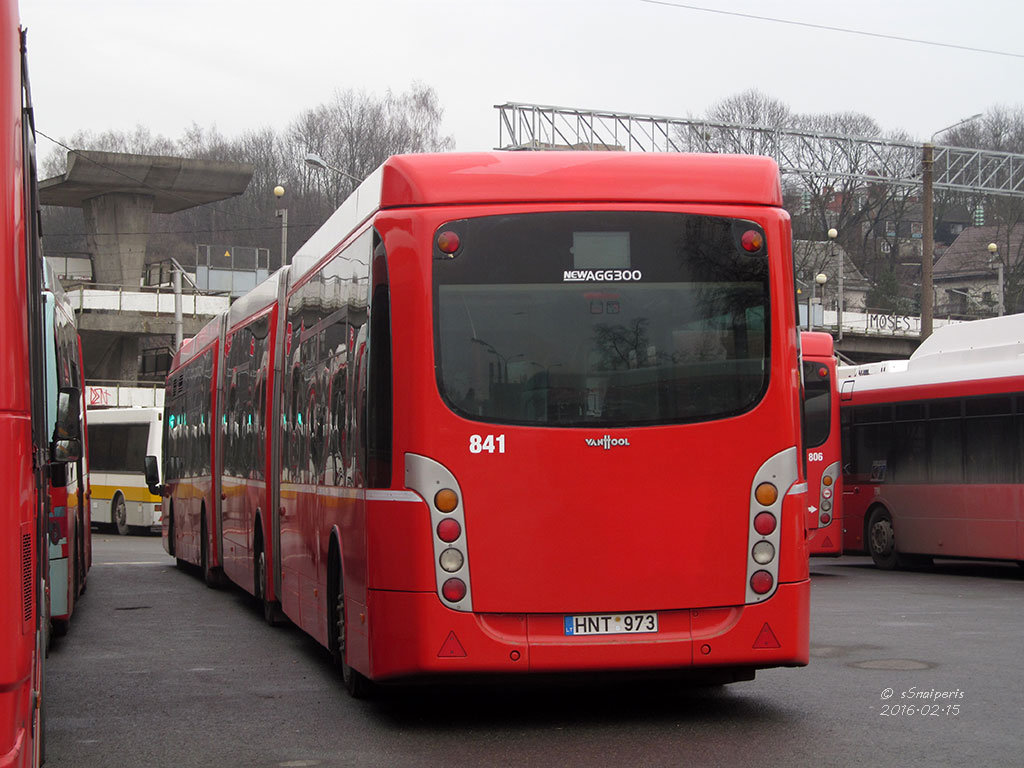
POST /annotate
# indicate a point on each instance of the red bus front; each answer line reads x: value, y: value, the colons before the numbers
x: 595, y: 418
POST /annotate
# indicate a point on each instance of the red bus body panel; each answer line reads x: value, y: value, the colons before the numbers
x: 21, y: 571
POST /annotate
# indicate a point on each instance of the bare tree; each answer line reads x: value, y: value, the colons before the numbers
x: 354, y: 132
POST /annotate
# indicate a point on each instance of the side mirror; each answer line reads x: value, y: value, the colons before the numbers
x: 66, y: 443
x: 153, y: 476
x: 65, y: 451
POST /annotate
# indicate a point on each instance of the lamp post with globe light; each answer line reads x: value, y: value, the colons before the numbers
x: 993, y: 251
x: 282, y: 214
x: 819, y: 279
x: 833, y: 233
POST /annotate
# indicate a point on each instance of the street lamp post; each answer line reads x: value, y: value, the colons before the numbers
x: 282, y: 214
x: 928, y: 227
x: 833, y: 233
x: 993, y: 254
x: 819, y: 279
x: 314, y: 160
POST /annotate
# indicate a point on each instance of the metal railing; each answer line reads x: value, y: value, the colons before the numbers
x: 156, y: 300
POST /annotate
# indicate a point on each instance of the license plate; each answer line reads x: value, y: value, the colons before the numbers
x: 611, y: 624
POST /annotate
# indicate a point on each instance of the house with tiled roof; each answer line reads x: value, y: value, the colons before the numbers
x: 967, y: 275
x: 812, y: 257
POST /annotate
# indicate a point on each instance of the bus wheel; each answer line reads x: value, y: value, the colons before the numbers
x: 272, y: 612
x: 120, y: 516
x: 356, y: 684
x: 882, y: 539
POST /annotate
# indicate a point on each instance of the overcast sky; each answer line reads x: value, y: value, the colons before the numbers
x: 241, y: 64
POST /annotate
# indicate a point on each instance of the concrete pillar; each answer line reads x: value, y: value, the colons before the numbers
x: 117, y: 227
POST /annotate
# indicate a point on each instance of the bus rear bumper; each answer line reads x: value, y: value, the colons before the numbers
x: 825, y: 542
x: 414, y: 635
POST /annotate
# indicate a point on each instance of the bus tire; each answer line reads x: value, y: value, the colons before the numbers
x: 58, y: 627
x: 357, y: 685
x: 119, y: 515
x: 881, y: 539
x: 272, y: 613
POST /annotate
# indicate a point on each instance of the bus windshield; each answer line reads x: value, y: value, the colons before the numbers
x: 118, y: 447
x: 601, y: 318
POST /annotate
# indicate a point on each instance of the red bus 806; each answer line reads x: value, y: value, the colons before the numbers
x: 821, y: 439
x: 513, y: 413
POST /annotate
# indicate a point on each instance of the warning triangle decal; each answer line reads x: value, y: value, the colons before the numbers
x: 766, y: 638
x: 827, y: 543
x: 452, y: 648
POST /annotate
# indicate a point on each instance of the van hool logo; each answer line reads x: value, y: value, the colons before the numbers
x: 606, y: 442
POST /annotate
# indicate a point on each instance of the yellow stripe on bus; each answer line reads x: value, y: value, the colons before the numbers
x: 129, y: 493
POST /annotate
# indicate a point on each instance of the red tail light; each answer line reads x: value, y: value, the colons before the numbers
x: 449, y: 530
x: 764, y: 523
x: 454, y: 590
x: 761, y: 582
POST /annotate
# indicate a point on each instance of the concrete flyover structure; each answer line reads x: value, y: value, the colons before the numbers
x: 118, y: 193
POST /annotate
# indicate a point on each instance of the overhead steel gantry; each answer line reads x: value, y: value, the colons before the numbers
x: 805, y: 153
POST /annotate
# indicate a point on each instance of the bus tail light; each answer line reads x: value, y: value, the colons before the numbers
x: 437, y: 485
x: 763, y: 552
x: 453, y: 590
x: 764, y: 523
x: 826, y: 491
x: 764, y: 528
x: 762, y: 582
x: 449, y: 530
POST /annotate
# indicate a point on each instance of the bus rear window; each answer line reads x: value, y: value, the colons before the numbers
x: 610, y: 318
x: 817, y: 404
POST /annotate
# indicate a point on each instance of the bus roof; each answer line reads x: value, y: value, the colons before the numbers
x: 476, y: 178
x: 540, y: 177
x: 258, y: 299
x: 992, y: 339
x: 971, y: 351
x: 816, y: 344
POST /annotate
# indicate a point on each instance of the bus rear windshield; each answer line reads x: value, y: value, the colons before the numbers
x: 601, y: 319
x: 817, y: 404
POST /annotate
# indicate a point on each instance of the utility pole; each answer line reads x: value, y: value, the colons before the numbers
x: 927, y: 241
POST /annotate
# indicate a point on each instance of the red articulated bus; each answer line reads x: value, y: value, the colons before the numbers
x: 189, y: 526
x: 31, y: 452
x: 517, y: 413
x: 821, y: 440
x: 933, y: 448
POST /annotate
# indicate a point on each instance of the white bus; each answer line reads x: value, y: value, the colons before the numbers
x: 119, y: 441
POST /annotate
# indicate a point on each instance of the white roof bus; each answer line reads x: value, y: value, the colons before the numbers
x: 932, y: 450
x: 119, y: 440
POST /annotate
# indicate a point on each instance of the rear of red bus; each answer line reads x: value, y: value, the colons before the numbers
x: 822, y: 443
x: 595, y: 406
